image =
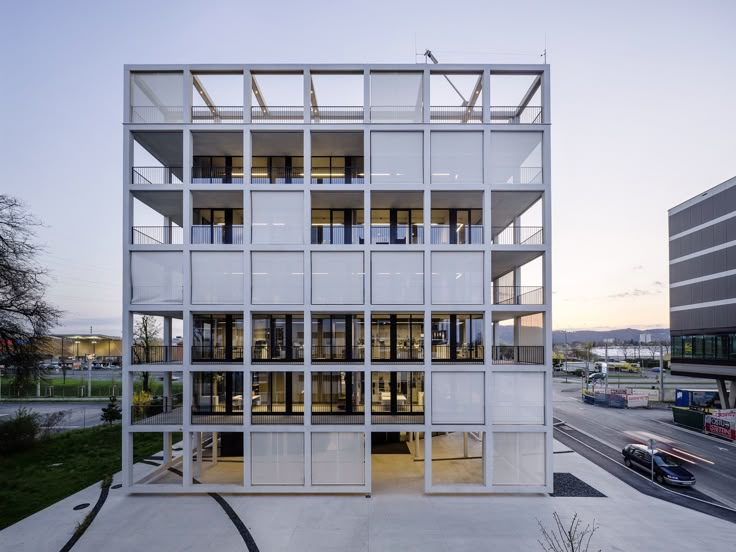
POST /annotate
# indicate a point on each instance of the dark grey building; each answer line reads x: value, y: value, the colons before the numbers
x: 702, y: 233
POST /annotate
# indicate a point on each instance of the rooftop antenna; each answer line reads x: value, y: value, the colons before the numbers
x: 544, y: 54
x: 429, y: 55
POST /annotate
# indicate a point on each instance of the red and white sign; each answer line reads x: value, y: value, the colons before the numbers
x: 637, y: 401
x: 721, y: 423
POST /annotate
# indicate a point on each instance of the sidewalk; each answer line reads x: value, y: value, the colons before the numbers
x: 400, y: 519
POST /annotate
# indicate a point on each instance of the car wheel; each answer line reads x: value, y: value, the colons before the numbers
x: 659, y: 479
x: 627, y: 462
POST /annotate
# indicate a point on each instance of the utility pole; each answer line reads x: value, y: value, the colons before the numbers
x: 661, y: 373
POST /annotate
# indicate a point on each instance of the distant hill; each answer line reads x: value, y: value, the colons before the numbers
x: 625, y: 335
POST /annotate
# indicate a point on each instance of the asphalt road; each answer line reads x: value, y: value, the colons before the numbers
x: 711, y: 460
x: 79, y: 414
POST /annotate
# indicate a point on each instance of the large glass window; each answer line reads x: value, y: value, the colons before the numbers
x: 337, y: 337
x: 397, y: 337
x: 337, y: 397
x: 277, y: 337
x: 217, y: 338
x: 277, y: 393
x: 397, y: 394
x: 457, y: 337
x: 217, y: 226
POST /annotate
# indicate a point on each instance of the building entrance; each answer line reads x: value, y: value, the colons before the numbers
x: 397, y: 460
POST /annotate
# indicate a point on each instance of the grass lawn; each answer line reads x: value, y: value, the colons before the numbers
x: 30, y: 483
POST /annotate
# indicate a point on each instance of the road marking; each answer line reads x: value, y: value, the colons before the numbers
x: 696, y: 434
x: 694, y: 456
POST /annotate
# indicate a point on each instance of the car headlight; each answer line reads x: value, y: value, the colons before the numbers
x: 674, y: 477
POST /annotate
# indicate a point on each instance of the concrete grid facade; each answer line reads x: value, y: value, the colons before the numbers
x: 427, y: 266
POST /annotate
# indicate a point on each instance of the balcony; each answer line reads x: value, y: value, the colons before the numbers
x: 456, y: 114
x: 156, y: 175
x: 217, y: 175
x: 338, y: 414
x: 338, y: 170
x: 466, y: 353
x: 276, y: 415
x: 156, y: 354
x: 277, y: 175
x: 205, y: 353
x: 337, y: 114
x: 465, y: 235
x: 217, y: 414
x: 337, y: 235
x: 397, y: 234
x: 205, y: 234
x: 516, y: 115
x: 217, y: 114
x: 263, y: 353
x: 504, y: 174
x: 518, y: 235
x: 333, y: 353
x: 518, y: 295
x: 157, y: 412
x: 157, y: 235
x: 283, y: 114
x: 156, y: 114
x: 383, y: 353
x: 518, y: 354
x: 396, y: 114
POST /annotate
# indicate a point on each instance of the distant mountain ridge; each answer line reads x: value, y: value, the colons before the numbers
x: 624, y: 335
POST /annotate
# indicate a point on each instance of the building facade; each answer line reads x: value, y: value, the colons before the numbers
x: 351, y: 254
x: 702, y: 234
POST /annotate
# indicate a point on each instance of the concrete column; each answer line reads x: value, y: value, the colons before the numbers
x: 200, y: 450
x: 247, y: 96
x: 722, y: 392
x: 168, y: 398
x: 167, y: 447
x: 215, y: 448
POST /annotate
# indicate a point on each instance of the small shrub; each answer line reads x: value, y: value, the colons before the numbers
x: 19, y: 432
x: 52, y: 421
x: 112, y: 412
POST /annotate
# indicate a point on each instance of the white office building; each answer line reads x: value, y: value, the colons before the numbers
x: 335, y: 262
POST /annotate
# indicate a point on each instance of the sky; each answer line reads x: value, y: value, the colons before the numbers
x: 642, y: 119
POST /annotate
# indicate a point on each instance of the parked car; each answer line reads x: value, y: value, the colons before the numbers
x: 596, y: 378
x: 667, y: 469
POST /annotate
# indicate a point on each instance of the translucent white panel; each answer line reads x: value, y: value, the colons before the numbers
x: 518, y: 459
x: 458, y: 397
x: 338, y: 458
x: 277, y: 217
x: 397, y: 157
x: 457, y: 157
x: 337, y: 278
x: 517, y: 398
x: 277, y: 278
x: 516, y: 157
x: 156, y: 97
x: 531, y: 329
x: 277, y: 458
x: 457, y: 278
x: 396, y: 97
x: 397, y: 278
x: 156, y: 277
x: 217, y: 278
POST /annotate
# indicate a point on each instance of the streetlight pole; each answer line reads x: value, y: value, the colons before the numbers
x: 89, y: 368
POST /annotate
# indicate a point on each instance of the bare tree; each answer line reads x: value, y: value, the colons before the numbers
x: 567, y: 538
x: 25, y: 316
x: 146, y: 334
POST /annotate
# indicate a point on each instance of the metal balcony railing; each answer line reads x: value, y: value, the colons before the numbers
x: 277, y: 114
x: 518, y: 235
x: 157, y: 235
x: 399, y: 234
x: 382, y: 353
x: 156, y: 354
x: 444, y: 234
x: 466, y: 353
x: 518, y: 295
x: 337, y: 175
x: 264, y: 353
x: 217, y: 175
x: 156, y: 175
x: 337, y: 235
x: 518, y: 354
x: 516, y: 115
x: 156, y: 114
x: 337, y: 413
x: 332, y: 353
x: 158, y: 411
x: 406, y: 413
x: 456, y: 114
x: 203, y: 234
x: 278, y: 417
x: 337, y: 114
x: 217, y: 114
x: 205, y: 353
x: 277, y: 175
x: 517, y: 175
x: 396, y: 114
x: 216, y: 415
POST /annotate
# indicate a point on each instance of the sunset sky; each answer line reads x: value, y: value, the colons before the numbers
x: 642, y: 119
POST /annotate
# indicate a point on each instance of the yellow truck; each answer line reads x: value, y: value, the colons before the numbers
x: 623, y: 366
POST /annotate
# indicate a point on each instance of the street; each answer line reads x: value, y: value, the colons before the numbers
x: 711, y: 460
x: 79, y: 414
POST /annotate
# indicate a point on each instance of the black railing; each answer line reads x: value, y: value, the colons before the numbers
x: 384, y: 418
x: 156, y: 175
x: 456, y: 114
x: 217, y: 235
x: 277, y: 114
x: 277, y: 175
x: 340, y: 175
x: 382, y: 353
x: 205, y: 353
x: 156, y: 354
x: 516, y: 115
x: 337, y: 114
x: 518, y: 295
x: 396, y: 114
x: 337, y: 235
x: 156, y: 114
x: 216, y: 415
x: 158, y: 235
x: 329, y: 353
x: 458, y: 353
x: 217, y: 175
x: 264, y: 353
x: 399, y: 234
x: 278, y: 418
x: 217, y: 114
x: 337, y: 413
x: 443, y: 234
x: 518, y: 235
x: 156, y: 413
x: 518, y: 354
x: 517, y: 175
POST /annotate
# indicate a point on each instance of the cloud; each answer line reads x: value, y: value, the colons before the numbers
x: 637, y: 267
x: 657, y: 283
x: 636, y: 292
